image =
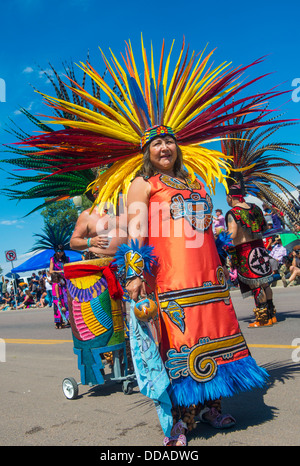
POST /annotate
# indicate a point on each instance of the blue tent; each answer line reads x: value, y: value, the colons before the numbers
x: 42, y: 261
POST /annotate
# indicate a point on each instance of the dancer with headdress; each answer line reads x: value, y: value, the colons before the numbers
x: 246, y: 224
x: 251, y: 173
x: 152, y: 133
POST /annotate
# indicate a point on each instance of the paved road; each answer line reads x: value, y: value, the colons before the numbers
x: 34, y: 410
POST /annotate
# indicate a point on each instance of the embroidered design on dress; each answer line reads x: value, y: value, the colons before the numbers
x: 195, y: 209
x: 177, y: 184
x: 173, y: 302
x: 200, y: 361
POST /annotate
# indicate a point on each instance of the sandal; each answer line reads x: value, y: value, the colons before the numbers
x: 177, y: 435
x: 180, y: 438
x: 218, y: 421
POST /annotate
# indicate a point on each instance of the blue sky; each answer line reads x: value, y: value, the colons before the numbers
x: 36, y: 32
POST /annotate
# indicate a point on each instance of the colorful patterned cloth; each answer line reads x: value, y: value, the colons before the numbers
x: 149, y: 369
x: 155, y: 131
x: 251, y: 219
x: 253, y: 265
x: 202, y: 345
x: 96, y: 317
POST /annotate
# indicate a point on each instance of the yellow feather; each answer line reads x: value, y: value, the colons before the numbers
x: 124, y: 94
x: 96, y: 128
x: 115, y: 180
x: 165, y: 77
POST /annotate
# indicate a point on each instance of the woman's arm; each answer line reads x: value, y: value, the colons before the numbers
x: 137, y: 211
x: 51, y: 266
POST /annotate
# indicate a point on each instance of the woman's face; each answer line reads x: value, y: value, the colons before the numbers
x: 163, y: 154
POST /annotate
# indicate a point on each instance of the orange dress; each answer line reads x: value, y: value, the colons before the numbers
x: 201, y: 343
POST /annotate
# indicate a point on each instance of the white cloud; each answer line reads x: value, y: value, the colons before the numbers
x: 17, y: 223
x: 8, y: 222
x: 28, y: 69
x: 29, y: 107
x: 43, y: 75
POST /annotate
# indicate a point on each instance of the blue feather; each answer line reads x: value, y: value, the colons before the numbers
x: 160, y: 102
x: 154, y: 101
x: 139, y: 100
x: 231, y: 378
x: 223, y: 242
x: 145, y: 251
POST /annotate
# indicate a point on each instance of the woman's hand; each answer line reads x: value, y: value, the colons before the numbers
x: 136, y: 288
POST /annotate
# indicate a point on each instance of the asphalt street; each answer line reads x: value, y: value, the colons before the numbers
x: 36, y: 357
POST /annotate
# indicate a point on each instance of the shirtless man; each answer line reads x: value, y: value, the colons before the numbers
x: 246, y: 223
x: 101, y: 234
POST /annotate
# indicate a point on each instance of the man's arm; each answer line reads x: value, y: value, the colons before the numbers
x: 78, y: 240
x: 232, y: 226
x: 82, y: 232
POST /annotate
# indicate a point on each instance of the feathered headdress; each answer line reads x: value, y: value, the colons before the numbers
x: 192, y: 103
x: 252, y: 164
x: 58, y: 186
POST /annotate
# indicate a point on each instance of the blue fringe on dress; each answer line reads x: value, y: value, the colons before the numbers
x: 231, y: 378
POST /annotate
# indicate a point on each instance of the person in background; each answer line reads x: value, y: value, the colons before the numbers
x: 294, y: 206
x: 7, y: 301
x: 246, y: 224
x: 28, y: 301
x: 4, y: 285
x: 233, y: 275
x: 277, y: 218
x: 101, y: 234
x: 34, y: 281
x: 61, y: 314
x: 277, y: 253
x: 219, y: 221
x: 291, y: 266
x: 57, y: 262
x: 48, y: 287
x: 267, y: 214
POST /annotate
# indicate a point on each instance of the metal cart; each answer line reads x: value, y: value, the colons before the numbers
x: 119, y: 371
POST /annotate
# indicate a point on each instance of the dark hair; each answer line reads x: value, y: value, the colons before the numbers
x: 286, y: 259
x: 61, y: 249
x: 55, y: 277
x: 148, y: 170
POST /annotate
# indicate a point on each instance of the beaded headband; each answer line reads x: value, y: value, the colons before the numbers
x: 158, y: 130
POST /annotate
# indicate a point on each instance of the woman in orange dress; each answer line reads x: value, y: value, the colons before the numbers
x: 202, y: 346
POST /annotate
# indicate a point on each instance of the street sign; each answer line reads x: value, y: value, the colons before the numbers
x: 11, y: 255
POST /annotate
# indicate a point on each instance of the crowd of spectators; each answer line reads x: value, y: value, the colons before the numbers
x: 36, y: 292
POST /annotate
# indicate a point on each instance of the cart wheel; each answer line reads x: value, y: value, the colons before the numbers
x: 127, y: 387
x: 70, y: 388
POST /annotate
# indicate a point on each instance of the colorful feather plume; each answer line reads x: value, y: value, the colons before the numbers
x: 47, y: 183
x: 253, y: 161
x: 52, y: 237
x: 194, y: 99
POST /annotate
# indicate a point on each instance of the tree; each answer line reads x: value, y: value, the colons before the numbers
x: 60, y: 213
